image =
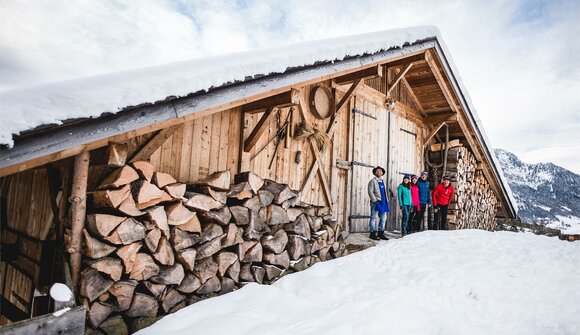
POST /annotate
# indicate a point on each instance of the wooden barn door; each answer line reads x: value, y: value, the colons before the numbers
x: 369, y: 149
x: 402, y: 160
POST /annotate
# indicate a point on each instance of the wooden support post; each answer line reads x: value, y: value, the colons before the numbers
x: 79, y: 209
x: 154, y: 143
x: 259, y: 129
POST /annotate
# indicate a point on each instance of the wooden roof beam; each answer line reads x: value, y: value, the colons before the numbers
x: 281, y: 100
x: 259, y: 129
x: 398, y: 78
x: 441, y: 81
x: 155, y: 142
x: 374, y: 71
x: 414, y: 97
x: 440, y: 117
x: 405, y: 61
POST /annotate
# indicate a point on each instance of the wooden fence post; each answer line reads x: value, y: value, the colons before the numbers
x: 79, y: 209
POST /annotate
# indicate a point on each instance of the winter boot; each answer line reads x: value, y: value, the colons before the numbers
x: 382, y: 236
x: 373, y: 236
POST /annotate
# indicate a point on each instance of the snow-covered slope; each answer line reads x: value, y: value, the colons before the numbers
x: 545, y: 193
x: 452, y: 282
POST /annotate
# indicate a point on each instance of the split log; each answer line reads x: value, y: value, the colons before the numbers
x: 282, y: 260
x: 158, y: 217
x: 240, y: 215
x: 187, y: 258
x: 120, y: 177
x: 104, y: 297
x: 182, y: 239
x: 158, y: 290
x: 129, y: 207
x: 257, y: 226
x: 98, y: 312
x: 253, y: 204
x: 176, y: 190
x: 300, y: 264
x: 233, y: 271
x: 116, y: 154
x: 152, y: 239
x: 162, y: 179
x: 281, y: 191
x: 102, y: 225
x: 192, y: 226
x: 209, y: 248
x: 141, y: 323
x: 94, y: 248
x: 300, y: 227
x: 292, y: 202
x: 224, y: 260
x: 297, y: 246
x: 250, y: 251
x: 220, y: 196
x: 147, y: 194
x: 258, y: 272
x: 246, y: 273
x: 211, y: 285
x: 114, y: 326
x: 111, y: 198
x: 210, y: 232
x: 122, y: 293
x: 276, y: 243
x: 128, y: 255
x: 144, y: 169
x: 315, y: 223
x: 266, y: 197
x: 275, y: 215
x: 227, y: 285
x: 201, y: 202
x: 220, y: 216
x: 218, y: 181
x: 93, y: 284
x: 253, y: 180
x: 233, y: 236
x: 127, y: 232
x: 164, y: 254
x: 142, y: 305
x: 272, y: 272
x: 144, y: 267
x: 110, y: 266
x: 172, y: 298
x: 205, y: 269
x: 293, y: 213
x: 240, y: 191
x: 189, y: 284
x: 170, y: 275
x: 177, y: 214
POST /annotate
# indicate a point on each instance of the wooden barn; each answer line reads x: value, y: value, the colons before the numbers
x: 258, y: 163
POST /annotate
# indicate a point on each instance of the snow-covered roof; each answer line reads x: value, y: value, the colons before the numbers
x: 29, y: 107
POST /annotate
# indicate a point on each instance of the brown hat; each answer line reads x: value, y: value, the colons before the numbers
x: 378, y: 168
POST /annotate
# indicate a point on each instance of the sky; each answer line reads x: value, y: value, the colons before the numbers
x: 518, y: 58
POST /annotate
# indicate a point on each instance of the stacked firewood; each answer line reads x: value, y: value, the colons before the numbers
x: 474, y: 204
x: 153, y: 245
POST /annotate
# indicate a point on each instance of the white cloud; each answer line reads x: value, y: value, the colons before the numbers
x: 518, y: 59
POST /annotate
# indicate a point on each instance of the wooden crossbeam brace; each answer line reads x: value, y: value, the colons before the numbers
x: 284, y: 99
x: 259, y: 129
x: 154, y: 143
x: 433, y: 132
x: 375, y: 71
x: 449, y: 117
x: 441, y: 81
x: 317, y: 165
x: 398, y: 78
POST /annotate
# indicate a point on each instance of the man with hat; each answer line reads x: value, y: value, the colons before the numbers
x: 379, y: 204
x: 442, y: 196
x: 424, y: 198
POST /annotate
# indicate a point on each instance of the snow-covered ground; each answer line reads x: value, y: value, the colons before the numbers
x: 454, y: 282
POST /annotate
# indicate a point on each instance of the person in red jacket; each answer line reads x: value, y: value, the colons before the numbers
x: 442, y: 196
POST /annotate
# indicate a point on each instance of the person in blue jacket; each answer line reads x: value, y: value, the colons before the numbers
x: 424, y: 198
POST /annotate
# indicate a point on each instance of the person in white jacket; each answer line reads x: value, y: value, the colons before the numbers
x: 379, y: 204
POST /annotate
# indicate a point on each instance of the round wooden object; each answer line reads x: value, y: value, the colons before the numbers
x: 321, y: 102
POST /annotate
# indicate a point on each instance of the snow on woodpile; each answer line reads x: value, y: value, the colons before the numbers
x: 453, y: 282
x: 25, y: 108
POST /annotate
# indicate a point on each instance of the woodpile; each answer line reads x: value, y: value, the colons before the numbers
x: 153, y: 245
x: 474, y: 204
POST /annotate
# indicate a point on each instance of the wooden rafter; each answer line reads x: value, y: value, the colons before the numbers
x: 440, y: 117
x: 398, y: 78
x: 414, y: 97
x: 154, y: 143
x: 375, y: 71
x: 441, y: 81
x: 259, y: 129
x: 433, y: 132
x: 281, y: 100
x: 405, y: 61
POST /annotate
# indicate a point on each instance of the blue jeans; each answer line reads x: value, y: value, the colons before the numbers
x: 382, y: 219
x: 406, y: 211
